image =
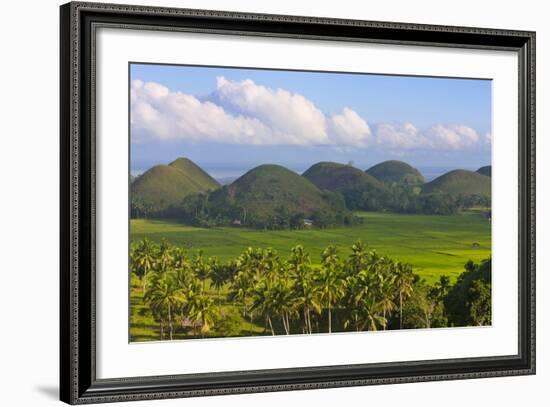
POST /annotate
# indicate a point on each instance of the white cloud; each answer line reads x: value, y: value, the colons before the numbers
x: 243, y: 112
x: 453, y: 137
x: 290, y: 115
x: 348, y: 128
x: 438, y: 137
x: 160, y: 113
x: 399, y: 136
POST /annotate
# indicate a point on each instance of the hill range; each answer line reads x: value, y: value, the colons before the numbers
x: 270, y: 188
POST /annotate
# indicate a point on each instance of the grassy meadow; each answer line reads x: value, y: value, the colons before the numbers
x: 433, y: 245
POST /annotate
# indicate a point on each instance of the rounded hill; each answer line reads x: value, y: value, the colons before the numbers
x: 485, y: 170
x: 195, y: 173
x: 359, y: 189
x: 163, y: 186
x: 460, y: 182
x: 394, y: 172
x: 340, y: 177
x: 269, y: 191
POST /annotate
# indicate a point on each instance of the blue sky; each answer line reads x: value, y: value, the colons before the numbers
x: 228, y: 119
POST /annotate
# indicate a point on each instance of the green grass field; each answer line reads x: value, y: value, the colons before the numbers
x: 434, y: 245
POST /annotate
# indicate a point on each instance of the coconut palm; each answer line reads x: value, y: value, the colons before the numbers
x: 284, y: 302
x: 305, y: 290
x: 370, y: 316
x: 218, y: 275
x: 202, y: 310
x: 145, y: 256
x: 404, y: 279
x: 179, y: 258
x: 164, y: 255
x: 263, y: 301
x: 386, y: 291
x: 267, y: 264
x: 201, y: 267
x: 357, y: 289
x: 164, y: 297
x: 188, y: 285
x: 330, y: 281
x: 358, y: 259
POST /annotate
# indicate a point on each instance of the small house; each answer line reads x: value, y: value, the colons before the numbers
x: 308, y: 223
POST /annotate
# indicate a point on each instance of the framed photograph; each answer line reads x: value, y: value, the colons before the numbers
x: 255, y: 203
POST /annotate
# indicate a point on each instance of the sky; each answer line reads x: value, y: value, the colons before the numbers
x: 229, y: 120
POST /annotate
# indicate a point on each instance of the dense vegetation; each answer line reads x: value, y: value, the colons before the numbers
x: 273, y: 197
x: 260, y: 292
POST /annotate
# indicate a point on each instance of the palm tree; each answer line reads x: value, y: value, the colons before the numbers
x: 330, y: 280
x: 202, y: 310
x: 264, y: 301
x: 145, y: 259
x: 179, y: 258
x: 201, y: 268
x: 306, y: 291
x: 358, y: 259
x: 357, y: 289
x: 357, y: 282
x: 164, y: 296
x: 218, y: 275
x: 187, y: 283
x: 284, y: 302
x: 267, y: 264
x: 404, y: 279
x: 370, y: 313
x: 386, y: 292
x: 165, y: 257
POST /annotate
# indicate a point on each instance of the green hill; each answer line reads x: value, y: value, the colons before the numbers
x: 165, y: 185
x: 195, y: 173
x: 460, y: 182
x: 340, y: 178
x: 485, y: 170
x: 360, y: 190
x: 395, y: 172
x: 271, y: 193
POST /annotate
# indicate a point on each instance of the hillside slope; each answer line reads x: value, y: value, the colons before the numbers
x: 485, y: 170
x: 339, y: 177
x: 163, y: 186
x: 360, y: 190
x: 196, y: 174
x: 460, y: 182
x: 270, y: 191
x: 395, y: 172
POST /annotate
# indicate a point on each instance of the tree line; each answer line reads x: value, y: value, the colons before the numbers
x: 260, y: 292
x: 203, y: 210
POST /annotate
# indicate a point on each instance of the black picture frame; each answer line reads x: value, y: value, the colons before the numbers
x: 78, y: 382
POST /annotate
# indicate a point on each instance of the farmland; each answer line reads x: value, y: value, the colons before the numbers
x: 433, y: 245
